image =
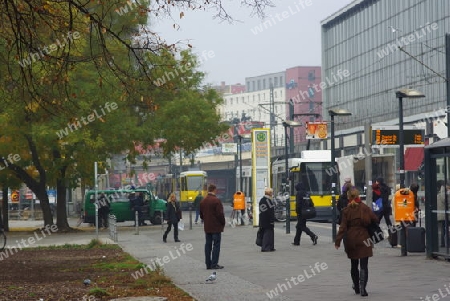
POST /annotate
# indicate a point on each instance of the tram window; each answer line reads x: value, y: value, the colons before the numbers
x: 314, y: 176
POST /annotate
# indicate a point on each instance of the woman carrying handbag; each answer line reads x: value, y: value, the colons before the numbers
x: 173, y: 217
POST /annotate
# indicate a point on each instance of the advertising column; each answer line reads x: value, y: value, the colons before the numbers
x: 260, y: 168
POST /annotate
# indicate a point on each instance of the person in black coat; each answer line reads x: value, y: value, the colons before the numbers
x: 173, y: 217
x: 103, y: 210
x: 267, y: 220
x: 301, y: 222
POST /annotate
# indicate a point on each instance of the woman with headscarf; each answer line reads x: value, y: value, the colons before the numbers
x: 267, y: 221
x: 358, y: 246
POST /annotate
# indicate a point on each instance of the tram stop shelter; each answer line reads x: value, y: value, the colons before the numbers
x: 437, y: 198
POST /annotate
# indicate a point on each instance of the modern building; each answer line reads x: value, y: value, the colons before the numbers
x: 304, y: 92
x: 264, y: 101
x: 371, y: 49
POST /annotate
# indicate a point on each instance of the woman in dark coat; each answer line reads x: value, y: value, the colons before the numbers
x: 267, y: 221
x: 355, y: 219
x: 173, y: 217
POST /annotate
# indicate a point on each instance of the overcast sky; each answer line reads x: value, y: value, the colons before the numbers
x: 231, y: 52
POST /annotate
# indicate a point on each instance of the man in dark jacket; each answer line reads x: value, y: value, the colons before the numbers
x: 267, y: 220
x: 300, y: 198
x: 103, y: 211
x: 196, y: 204
x: 211, y: 212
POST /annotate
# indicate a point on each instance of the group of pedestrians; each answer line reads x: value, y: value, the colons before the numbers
x: 355, y: 217
x: 210, y: 211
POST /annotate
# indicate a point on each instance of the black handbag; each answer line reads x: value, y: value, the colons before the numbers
x: 375, y: 233
x: 308, y: 213
x: 308, y: 209
x: 259, y: 237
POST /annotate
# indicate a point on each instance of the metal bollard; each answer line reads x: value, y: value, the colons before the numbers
x: 162, y: 221
x: 96, y: 220
x: 113, y: 228
x: 136, y: 219
x: 190, y: 217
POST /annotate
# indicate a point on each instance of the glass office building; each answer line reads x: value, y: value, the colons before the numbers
x: 370, y: 50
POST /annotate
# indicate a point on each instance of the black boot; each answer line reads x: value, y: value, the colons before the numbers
x: 363, y: 282
x: 355, y: 279
x: 165, y: 237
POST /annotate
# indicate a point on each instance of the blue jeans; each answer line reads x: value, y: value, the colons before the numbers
x: 197, y: 214
x: 212, y: 249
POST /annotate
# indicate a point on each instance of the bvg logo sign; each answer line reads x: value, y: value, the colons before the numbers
x: 261, y: 137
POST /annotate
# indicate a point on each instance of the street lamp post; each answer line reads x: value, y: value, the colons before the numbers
x: 241, y: 179
x: 404, y: 93
x: 335, y: 112
x: 286, y: 124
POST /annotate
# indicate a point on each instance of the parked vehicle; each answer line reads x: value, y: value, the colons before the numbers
x: 154, y: 209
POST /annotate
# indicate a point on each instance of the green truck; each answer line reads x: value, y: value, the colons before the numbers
x: 154, y: 209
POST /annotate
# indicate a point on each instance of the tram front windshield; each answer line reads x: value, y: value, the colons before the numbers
x: 316, y: 177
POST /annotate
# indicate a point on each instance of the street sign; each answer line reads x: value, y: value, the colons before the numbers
x: 316, y: 130
x: 391, y: 137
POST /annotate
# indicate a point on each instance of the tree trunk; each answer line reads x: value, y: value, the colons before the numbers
x: 61, y: 208
x: 5, y: 221
x: 41, y: 194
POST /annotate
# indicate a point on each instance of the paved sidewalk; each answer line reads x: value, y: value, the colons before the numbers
x: 304, y: 273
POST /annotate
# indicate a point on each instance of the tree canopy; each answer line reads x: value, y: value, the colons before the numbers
x: 82, y: 80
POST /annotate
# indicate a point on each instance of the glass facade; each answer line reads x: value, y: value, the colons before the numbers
x: 363, y: 65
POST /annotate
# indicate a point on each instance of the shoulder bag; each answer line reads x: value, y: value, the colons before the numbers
x: 375, y: 232
x: 308, y: 209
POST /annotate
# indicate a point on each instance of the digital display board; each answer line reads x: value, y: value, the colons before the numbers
x: 391, y: 137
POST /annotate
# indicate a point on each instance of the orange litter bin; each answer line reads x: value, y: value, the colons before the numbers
x: 404, y: 205
x: 239, y: 201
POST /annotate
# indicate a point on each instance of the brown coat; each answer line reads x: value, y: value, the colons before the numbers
x: 211, y: 212
x: 355, y: 219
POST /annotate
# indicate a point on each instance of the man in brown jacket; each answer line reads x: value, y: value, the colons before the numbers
x: 211, y: 212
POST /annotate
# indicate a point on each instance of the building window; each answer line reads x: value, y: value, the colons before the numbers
x: 259, y: 84
x: 311, y: 92
x: 231, y: 101
x: 264, y: 83
x: 312, y: 75
x: 276, y: 81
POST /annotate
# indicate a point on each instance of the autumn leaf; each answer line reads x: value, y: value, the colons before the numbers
x: 181, y: 15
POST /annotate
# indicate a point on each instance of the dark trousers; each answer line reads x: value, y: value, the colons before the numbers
x: 212, y: 249
x: 175, y: 230
x: 268, y: 242
x: 301, y: 227
x: 197, y: 214
x: 387, y: 217
x: 103, y: 217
